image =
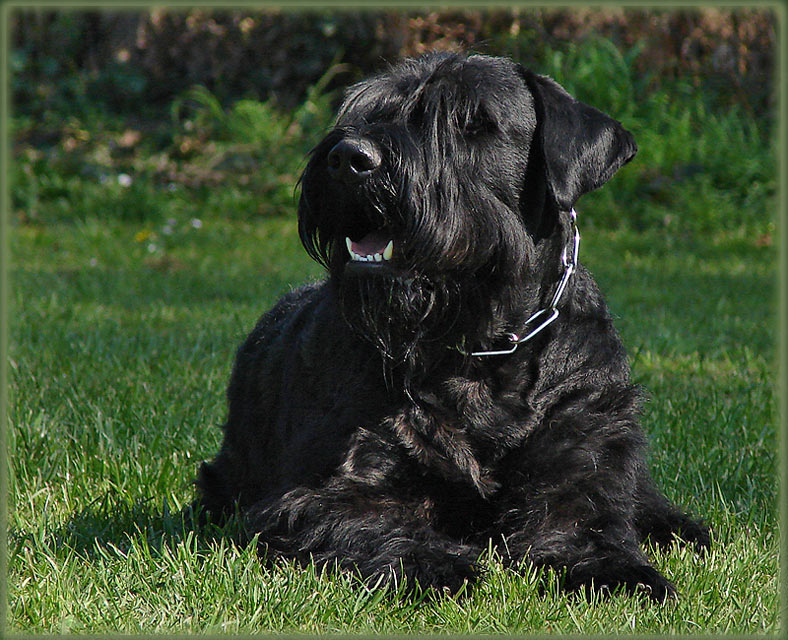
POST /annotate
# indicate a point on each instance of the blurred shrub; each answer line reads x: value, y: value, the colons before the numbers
x: 126, y: 59
x: 130, y: 59
x: 253, y: 149
x: 65, y: 62
x: 249, y: 92
x: 236, y: 161
x: 692, y: 155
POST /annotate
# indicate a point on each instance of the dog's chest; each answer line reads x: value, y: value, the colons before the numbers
x: 452, y: 428
x: 458, y: 431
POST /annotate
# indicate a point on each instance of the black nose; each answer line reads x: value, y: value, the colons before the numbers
x: 352, y: 161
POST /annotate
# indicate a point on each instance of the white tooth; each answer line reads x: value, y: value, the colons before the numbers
x: 354, y: 256
x: 378, y: 257
x: 389, y: 250
x: 349, y: 244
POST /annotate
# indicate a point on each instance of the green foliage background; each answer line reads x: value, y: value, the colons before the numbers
x: 199, y: 98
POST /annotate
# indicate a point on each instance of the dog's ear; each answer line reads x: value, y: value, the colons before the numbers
x: 578, y: 148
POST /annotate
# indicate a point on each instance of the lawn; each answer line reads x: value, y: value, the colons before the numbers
x: 122, y: 337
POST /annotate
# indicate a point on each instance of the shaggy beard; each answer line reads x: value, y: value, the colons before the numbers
x: 414, y: 322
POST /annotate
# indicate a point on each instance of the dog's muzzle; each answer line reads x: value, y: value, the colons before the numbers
x: 352, y: 160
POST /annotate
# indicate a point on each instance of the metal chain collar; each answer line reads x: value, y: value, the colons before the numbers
x: 570, y: 265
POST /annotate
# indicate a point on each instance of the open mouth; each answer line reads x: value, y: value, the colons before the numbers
x: 376, y: 246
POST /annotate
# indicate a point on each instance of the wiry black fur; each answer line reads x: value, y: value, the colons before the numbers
x: 360, y: 431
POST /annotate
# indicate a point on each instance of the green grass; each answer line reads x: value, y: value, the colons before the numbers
x: 120, y: 353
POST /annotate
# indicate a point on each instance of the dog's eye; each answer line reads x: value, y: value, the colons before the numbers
x: 478, y: 124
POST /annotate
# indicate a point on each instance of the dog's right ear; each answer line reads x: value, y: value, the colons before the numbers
x: 576, y: 148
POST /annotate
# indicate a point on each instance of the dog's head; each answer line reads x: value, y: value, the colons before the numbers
x: 439, y: 180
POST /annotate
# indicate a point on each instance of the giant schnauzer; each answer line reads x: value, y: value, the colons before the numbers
x: 456, y: 381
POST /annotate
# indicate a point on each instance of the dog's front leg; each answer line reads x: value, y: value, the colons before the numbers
x: 356, y: 527
x: 602, y: 559
x: 593, y: 551
x: 572, y: 505
x: 661, y: 522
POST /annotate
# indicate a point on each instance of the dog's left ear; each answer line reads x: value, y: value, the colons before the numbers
x: 580, y: 147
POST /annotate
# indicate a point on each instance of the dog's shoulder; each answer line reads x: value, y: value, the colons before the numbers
x: 583, y: 339
x: 268, y: 344
x: 585, y: 299
x: 287, y: 315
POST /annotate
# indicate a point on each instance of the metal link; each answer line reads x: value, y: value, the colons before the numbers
x: 569, y: 269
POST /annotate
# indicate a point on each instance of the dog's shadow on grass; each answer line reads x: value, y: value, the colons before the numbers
x: 109, y: 525
x: 108, y: 528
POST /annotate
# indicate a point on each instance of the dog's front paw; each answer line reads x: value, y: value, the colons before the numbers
x: 695, y: 533
x: 632, y: 578
x: 428, y: 571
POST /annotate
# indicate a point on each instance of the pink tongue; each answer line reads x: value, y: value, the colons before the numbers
x: 370, y: 244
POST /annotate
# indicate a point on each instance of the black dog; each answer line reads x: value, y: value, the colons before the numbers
x: 457, y: 379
